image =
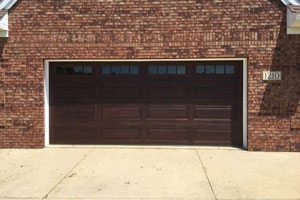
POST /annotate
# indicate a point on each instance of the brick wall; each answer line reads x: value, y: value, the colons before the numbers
x: 78, y: 29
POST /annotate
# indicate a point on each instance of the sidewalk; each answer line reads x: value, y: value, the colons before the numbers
x: 148, y: 173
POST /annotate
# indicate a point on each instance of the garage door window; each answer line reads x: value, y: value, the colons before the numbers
x: 166, y: 69
x: 120, y: 70
x: 76, y: 70
x: 214, y: 69
x: 229, y: 69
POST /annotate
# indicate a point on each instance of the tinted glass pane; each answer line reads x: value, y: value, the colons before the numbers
x: 152, y: 70
x: 200, y: 69
x: 60, y: 70
x: 87, y: 70
x: 115, y: 70
x: 162, y: 70
x: 220, y: 69
x: 105, y: 70
x: 124, y: 70
x: 180, y: 69
x: 69, y: 70
x: 82, y: 70
x: 171, y: 69
x: 229, y: 69
x: 78, y: 70
x: 210, y: 69
x: 134, y: 70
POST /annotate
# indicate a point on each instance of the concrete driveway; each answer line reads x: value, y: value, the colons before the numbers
x: 148, y: 173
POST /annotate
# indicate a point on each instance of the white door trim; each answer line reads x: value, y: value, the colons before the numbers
x: 46, y: 87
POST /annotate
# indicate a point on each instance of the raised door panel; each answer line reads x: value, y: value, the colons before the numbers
x: 167, y: 134
x: 75, y: 112
x: 167, y: 92
x: 121, y: 133
x: 213, y: 135
x: 74, y: 91
x: 167, y: 113
x: 213, y: 113
x: 119, y: 92
x: 76, y: 133
x: 121, y: 112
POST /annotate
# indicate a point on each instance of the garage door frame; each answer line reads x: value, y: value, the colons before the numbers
x: 46, y: 88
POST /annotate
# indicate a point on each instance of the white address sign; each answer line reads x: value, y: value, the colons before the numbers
x: 271, y: 75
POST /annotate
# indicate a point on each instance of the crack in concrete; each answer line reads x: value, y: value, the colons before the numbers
x: 67, y: 174
x: 206, y: 175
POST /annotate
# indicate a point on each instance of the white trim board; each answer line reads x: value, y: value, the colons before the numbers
x: 46, y: 87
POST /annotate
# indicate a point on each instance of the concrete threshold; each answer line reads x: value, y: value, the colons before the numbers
x: 147, y: 147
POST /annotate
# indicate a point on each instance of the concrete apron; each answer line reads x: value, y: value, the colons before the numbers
x: 146, y: 173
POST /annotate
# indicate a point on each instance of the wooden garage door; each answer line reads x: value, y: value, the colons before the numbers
x: 187, y: 103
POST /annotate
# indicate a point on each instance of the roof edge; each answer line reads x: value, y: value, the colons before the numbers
x: 7, y: 4
x: 291, y: 2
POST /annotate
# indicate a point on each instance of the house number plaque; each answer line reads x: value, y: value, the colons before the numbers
x: 271, y: 75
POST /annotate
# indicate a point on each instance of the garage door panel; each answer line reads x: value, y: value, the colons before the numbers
x: 213, y: 101
x: 74, y: 100
x: 74, y: 91
x: 169, y: 92
x: 119, y: 92
x: 213, y: 142
x: 167, y: 100
x: 213, y: 113
x: 73, y: 80
x: 75, y: 112
x: 167, y: 134
x: 121, y: 133
x: 169, y: 113
x: 210, y: 83
x: 75, y: 122
x: 213, y: 135
x: 118, y: 100
x: 120, y: 112
x: 77, y: 133
x: 220, y: 92
x: 213, y: 125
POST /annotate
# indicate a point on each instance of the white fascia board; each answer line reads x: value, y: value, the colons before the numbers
x: 291, y: 2
x: 4, y: 26
x: 293, y: 22
x: 3, y: 33
x: 293, y: 30
x: 4, y: 23
x: 7, y: 4
x: 286, y: 2
x: 293, y: 19
x: 295, y: 2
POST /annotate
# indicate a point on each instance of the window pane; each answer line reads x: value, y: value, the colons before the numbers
x: 152, y: 70
x: 134, y: 70
x: 180, y: 69
x: 171, y: 69
x: 78, y: 70
x: 162, y: 70
x: 115, y: 70
x: 105, y: 70
x: 124, y: 70
x: 69, y: 70
x: 60, y: 70
x: 200, y: 69
x: 210, y: 69
x: 229, y: 69
x: 87, y: 70
x: 220, y: 69
x: 82, y: 70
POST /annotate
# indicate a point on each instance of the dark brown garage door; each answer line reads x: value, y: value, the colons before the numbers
x: 191, y: 103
